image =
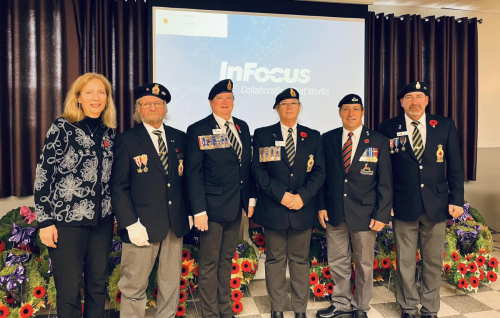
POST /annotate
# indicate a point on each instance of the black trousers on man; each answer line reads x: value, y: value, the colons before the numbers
x: 81, y: 249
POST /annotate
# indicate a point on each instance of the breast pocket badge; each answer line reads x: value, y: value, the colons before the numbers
x: 370, y: 155
x: 367, y: 171
x: 310, y: 163
x: 269, y: 154
x: 140, y: 161
x: 181, y: 167
x: 210, y: 142
x: 440, y: 154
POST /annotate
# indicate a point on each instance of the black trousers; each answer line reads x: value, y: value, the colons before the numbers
x: 81, y: 249
x: 217, y: 248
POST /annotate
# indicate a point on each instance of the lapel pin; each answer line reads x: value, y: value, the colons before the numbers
x: 433, y: 123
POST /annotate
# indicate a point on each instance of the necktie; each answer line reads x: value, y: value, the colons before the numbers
x: 346, y: 153
x: 290, y: 147
x: 232, y: 139
x: 162, y: 150
x: 418, y: 145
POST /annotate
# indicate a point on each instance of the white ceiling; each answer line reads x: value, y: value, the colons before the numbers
x: 491, y: 6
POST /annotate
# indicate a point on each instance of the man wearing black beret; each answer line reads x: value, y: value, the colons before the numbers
x: 428, y: 189
x: 289, y: 167
x: 151, y: 206
x: 220, y: 189
x: 355, y: 202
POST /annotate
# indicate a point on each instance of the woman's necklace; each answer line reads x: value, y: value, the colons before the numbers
x: 92, y: 132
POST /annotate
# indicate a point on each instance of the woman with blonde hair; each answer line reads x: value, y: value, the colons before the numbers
x: 72, y: 196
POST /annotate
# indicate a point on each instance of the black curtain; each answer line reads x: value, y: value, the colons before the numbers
x: 442, y: 52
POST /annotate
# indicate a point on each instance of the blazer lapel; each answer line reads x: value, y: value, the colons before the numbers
x: 400, y: 128
x: 301, y: 147
x: 146, y: 143
x: 430, y: 139
x: 171, y: 148
x: 278, y: 136
x: 337, y: 147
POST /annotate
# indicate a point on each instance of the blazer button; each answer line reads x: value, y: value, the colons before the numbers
x: 422, y: 185
x: 421, y: 167
x: 345, y: 180
x: 291, y: 175
x: 345, y: 194
x: 168, y: 185
x: 241, y: 181
x: 241, y: 165
x: 169, y: 202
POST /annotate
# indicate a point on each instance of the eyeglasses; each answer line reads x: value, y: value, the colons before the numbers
x: 148, y: 105
x: 286, y: 104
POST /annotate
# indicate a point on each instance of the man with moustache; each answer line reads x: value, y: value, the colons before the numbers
x: 428, y: 189
x: 150, y: 204
x: 220, y: 188
x: 355, y: 202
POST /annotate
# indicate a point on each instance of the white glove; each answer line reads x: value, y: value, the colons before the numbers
x: 138, y: 234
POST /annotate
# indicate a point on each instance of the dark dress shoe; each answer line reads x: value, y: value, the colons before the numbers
x: 407, y: 315
x: 429, y: 316
x: 300, y: 315
x: 360, y: 314
x: 276, y: 314
x: 332, y: 312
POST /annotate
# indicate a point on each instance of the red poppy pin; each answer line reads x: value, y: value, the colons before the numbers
x: 238, y: 127
x: 106, y: 143
x: 367, y: 141
x: 176, y: 149
x: 303, y: 135
x: 433, y: 123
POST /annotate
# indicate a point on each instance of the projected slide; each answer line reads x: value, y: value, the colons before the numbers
x: 323, y: 58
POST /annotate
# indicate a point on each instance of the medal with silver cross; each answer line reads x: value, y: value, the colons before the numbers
x: 403, y: 141
x: 396, y: 144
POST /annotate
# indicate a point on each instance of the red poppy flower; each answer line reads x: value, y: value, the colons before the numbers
x: 481, y: 260
x: 195, y: 271
x: 313, y: 279
x: 190, y: 288
x: 246, y: 266
x: 253, y: 271
x: 375, y: 263
x: 367, y: 141
x: 493, y: 262
x: 433, y: 123
x: 83, y: 308
x: 155, y: 292
x: 183, y: 283
x: 236, y: 295
x: 186, y: 255
x: 444, y: 255
x: 235, y: 283
x: 236, y: 256
x: 492, y: 276
x: 472, y: 267
x: 39, y: 292
x: 177, y: 150
x: 353, y: 275
x: 319, y: 290
x: 386, y: 263
x: 260, y: 240
x: 447, y: 268
x: 313, y: 263
x: 394, y: 247
x: 379, y: 270
x: 10, y: 299
x: 481, y: 274
x: 462, y: 283
x: 481, y: 250
x: 455, y: 257
x: 462, y: 268
x: 182, y: 297
x: 353, y: 289
x: 469, y: 256
x: 329, y: 288
x: 237, y: 127
x: 418, y: 256
x: 303, y: 134
x: 118, y: 297
x: 106, y: 144
x: 181, y: 311
x: 26, y: 311
x: 184, y: 270
x: 237, y: 307
x: 4, y: 311
x: 235, y: 268
x: 474, y: 281
x: 2, y: 246
x: 326, y: 273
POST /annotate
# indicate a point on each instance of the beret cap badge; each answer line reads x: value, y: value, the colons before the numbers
x: 354, y: 99
x: 417, y: 86
x: 156, y: 90
x: 292, y: 92
x: 229, y: 86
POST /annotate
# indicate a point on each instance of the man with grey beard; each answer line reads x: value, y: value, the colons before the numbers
x: 150, y: 203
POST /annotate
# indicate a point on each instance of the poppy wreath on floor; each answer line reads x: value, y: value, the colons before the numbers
x: 243, y: 270
x: 320, y: 280
x: 257, y: 237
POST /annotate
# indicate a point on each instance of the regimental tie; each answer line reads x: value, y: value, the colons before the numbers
x: 418, y: 146
x: 162, y: 150
x: 346, y: 153
x: 232, y: 139
x: 290, y: 147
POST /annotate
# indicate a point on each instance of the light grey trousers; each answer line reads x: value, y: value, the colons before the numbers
x: 137, y: 263
x: 339, y: 260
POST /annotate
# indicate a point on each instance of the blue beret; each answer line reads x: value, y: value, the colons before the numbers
x: 224, y: 86
x: 350, y: 99
x: 286, y: 94
x: 414, y: 87
x: 153, y: 89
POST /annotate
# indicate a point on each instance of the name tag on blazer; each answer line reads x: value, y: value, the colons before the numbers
x: 268, y: 154
x: 370, y: 155
x: 280, y: 143
x: 210, y: 142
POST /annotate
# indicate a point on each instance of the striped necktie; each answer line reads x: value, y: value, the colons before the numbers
x: 162, y: 150
x: 346, y: 153
x: 232, y: 139
x: 290, y: 147
x: 418, y: 146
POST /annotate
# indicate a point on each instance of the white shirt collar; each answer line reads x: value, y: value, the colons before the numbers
x: 408, y: 120
x: 285, y: 128
x: 221, y: 121
x: 150, y: 128
x: 356, y: 132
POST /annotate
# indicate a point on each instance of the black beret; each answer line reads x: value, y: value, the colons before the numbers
x: 286, y: 94
x: 224, y: 86
x: 153, y: 89
x: 351, y: 99
x: 414, y: 87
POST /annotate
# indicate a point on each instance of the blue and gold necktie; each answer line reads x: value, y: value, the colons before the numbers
x: 418, y: 145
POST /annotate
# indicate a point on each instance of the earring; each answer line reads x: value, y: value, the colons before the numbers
x: 79, y: 105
